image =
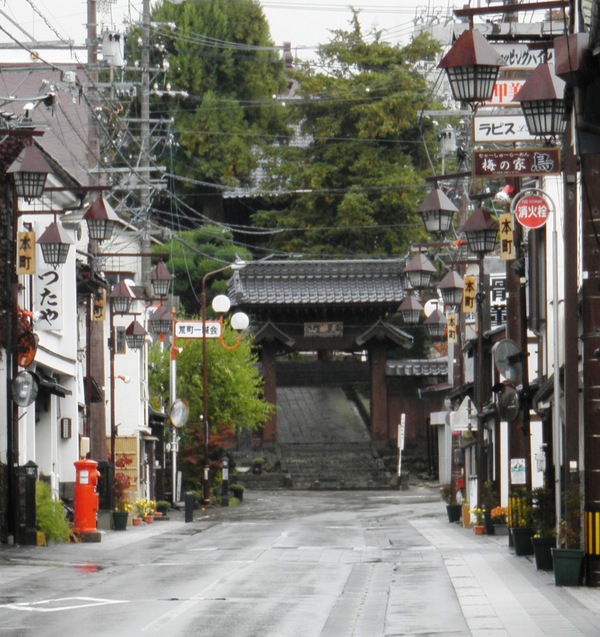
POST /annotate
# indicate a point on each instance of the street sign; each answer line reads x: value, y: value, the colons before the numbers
x: 516, y: 163
x: 531, y: 211
x: 193, y: 329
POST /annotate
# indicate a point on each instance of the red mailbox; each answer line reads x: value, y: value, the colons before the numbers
x: 86, y: 500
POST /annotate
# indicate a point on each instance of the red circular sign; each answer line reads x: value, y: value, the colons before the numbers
x: 532, y: 211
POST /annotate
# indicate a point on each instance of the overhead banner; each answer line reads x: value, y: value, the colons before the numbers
x: 536, y: 162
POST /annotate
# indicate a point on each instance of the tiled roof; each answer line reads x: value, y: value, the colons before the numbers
x: 417, y: 367
x: 302, y: 283
x: 66, y: 126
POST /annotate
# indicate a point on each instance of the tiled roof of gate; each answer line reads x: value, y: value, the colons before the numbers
x: 295, y: 283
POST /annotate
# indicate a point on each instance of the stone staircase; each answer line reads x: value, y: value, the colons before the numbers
x: 323, y: 443
x: 334, y: 466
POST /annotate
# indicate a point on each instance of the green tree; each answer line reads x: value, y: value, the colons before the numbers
x: 221, y: 54
x: 356, y: 185
x: 234, y: 398
x: 194, y: 253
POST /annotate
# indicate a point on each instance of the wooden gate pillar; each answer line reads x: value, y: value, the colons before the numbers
x: 379, y: 420
x: 270, y: 389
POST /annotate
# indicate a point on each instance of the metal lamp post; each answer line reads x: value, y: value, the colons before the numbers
x: 222, y: 306
x: 121, y: 298
x: 29, y: 172
x: 481, y: 232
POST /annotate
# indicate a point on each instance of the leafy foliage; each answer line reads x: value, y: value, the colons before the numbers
x: 234, y: 398
x: 221, y: 54
x: 361, y: 171
x: 193, y: 254
x: 50, y: 515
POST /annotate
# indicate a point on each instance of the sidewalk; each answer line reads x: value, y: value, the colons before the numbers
x: 504, y: 595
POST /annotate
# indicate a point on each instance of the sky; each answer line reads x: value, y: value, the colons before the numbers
x: 304, y: 24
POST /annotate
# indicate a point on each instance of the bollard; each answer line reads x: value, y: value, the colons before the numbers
x: 30, y: 531
x: 225, y: 483
x: 189, y: 506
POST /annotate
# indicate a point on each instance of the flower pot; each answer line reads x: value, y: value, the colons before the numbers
x: 136, y: 521
x: 148, y: 519
x: 500, y: 529
x: 120, y: 520
x: 522, y: 539
x: 479, y: 529
x: 542, y: 552
x: 568, y: 566
x: 453, y: 511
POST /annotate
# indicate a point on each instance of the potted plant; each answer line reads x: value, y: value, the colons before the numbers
x: 543, y: 518
x: 520, y: 522
x: 479, y: 513
x: 257, y: 465
x: 121, y: 485
x: 568, y: 557
x: 162, y: 506
x: 237, y: 490
x: 144, y: 509
x: 498, y: 516
x: 452, y: 508
x: 490, y: 500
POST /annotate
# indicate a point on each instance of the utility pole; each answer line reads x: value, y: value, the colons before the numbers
x: 145, y: 142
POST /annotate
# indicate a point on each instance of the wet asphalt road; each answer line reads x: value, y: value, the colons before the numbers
x: 282, y: 564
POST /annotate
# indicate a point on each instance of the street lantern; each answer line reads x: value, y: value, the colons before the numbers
x: 419, y: 271
x: 121, y: 298
x: 55, y: 244
x: 436, y: 324
x: 451, y: 288
x: 135, y: 335
x: 101, y: 220
x: 472, y: 66
x: 542, y: 102
x: 30, y: 171
x: 437, y: 212
x: 481, y: 232
x: 160, y: 279
x: 239, y: 321
x: 410, y: 309
x: 161, y: 320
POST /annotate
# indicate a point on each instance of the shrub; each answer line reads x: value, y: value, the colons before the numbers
x: 50, y: 515
x: 163, y: 506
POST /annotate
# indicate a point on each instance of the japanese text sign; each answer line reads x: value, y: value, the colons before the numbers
x: 516, y: 163
x: 193, y: 329
x: 49, y: 299
x: 25, y: 253
x: 505, y: 232
x: 532, y: 211
x: 500, y: 129
x: 470, y: 289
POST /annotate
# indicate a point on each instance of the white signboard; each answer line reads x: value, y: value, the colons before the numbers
x: 500, y: 129
x: 519, y: 56
x: 193, y: 329
x: 48, y: 297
